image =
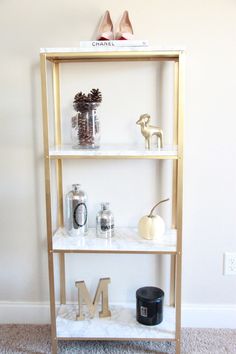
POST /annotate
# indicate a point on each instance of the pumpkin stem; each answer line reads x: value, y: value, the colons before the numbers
x: 162, y: 201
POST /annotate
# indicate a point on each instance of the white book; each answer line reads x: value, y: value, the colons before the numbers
x: 113, y: 44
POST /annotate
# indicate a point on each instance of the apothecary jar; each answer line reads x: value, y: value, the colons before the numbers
x: 86, y: 127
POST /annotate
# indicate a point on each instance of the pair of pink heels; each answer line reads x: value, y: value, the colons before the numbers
x: 124, y: 30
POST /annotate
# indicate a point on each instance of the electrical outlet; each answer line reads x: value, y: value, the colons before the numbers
x: 229, y: 263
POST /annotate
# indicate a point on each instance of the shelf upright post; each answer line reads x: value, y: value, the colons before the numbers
x: 43, y: 67
x: 174, y: 178
x: 179, y: 200
x: 175, y: 140
x: 58, y: 163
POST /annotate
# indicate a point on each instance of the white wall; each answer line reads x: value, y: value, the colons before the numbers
x: 207, y: 31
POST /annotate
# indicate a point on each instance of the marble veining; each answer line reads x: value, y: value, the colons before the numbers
x: 121, y: 324
x: 113, y: 150
x: 125, y: 240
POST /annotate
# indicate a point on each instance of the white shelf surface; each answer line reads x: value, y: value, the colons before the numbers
x: 121, y: 325
x: 112, y: 49
x: 119, y: 151
x: 126, y: 240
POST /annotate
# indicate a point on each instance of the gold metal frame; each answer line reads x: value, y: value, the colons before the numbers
x: 43, y: 66
x: 177, y: 188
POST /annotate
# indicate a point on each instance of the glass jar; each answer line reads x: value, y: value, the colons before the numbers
x: 86, y: 127
x: 105, y: 222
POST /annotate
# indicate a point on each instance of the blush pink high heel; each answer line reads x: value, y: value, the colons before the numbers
x: 105, y: 31
x: 125, y: 30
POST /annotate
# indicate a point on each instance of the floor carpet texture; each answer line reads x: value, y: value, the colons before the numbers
x: 36, y: 339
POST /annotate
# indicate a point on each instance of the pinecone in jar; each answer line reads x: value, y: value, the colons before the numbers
x: 80, y: 103
x: 86, y: 120
x: 85, y: 131
x: 96, y: 95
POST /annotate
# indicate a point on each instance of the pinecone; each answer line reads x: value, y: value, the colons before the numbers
x: 85, y: 131
x: 96, y: 95
x: 80, y: 102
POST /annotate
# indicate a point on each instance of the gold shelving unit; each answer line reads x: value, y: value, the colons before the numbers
x: 55, y: 58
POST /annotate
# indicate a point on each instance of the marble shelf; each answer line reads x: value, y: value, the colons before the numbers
x: 123, y: 49
x: 126, y: 240
x: 122, y: 325
x: 114, y: 151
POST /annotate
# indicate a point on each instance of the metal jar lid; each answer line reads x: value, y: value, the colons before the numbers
x: 149, y: 294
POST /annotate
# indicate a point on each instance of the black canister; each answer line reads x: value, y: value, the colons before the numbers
x: 149, y: 305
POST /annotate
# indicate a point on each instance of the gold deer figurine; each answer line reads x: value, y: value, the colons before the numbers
x: 149, y: 130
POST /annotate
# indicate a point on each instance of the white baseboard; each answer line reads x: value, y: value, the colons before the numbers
x: 24, y: 312
x: 193, y: 315
x: 208, y: 316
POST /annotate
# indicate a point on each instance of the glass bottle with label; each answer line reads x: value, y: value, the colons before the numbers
x: 105, y: 222
x: 76, y: 214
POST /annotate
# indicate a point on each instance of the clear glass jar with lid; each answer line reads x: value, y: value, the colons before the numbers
x: 76, y: 214
x: 105, y: 222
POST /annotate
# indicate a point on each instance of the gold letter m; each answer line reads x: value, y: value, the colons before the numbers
x: 84, y: 297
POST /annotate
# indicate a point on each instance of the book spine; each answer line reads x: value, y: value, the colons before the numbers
x: 112, y: 44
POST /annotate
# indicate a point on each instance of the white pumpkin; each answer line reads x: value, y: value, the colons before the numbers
x: 152, y: 227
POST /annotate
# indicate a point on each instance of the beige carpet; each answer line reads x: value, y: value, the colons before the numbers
x: 36, y: 339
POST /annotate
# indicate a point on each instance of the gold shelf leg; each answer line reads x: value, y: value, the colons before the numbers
x: 62, y: 279
x: 175, y: 142
x: 58, y: 141
x: 43, y: 66
x: 59, y: 177
x: 172, y: 279
x: 174, y: 180
x: 179, y: 202
x: 178, y: 346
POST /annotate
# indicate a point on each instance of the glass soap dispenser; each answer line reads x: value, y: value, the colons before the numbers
x: 105, y: 222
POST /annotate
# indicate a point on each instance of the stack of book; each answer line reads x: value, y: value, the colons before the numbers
x: 114, y: 44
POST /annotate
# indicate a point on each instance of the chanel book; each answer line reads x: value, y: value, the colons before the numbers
x: 113, y: 44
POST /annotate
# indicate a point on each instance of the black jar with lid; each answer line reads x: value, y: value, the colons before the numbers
x: 149, y: 305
